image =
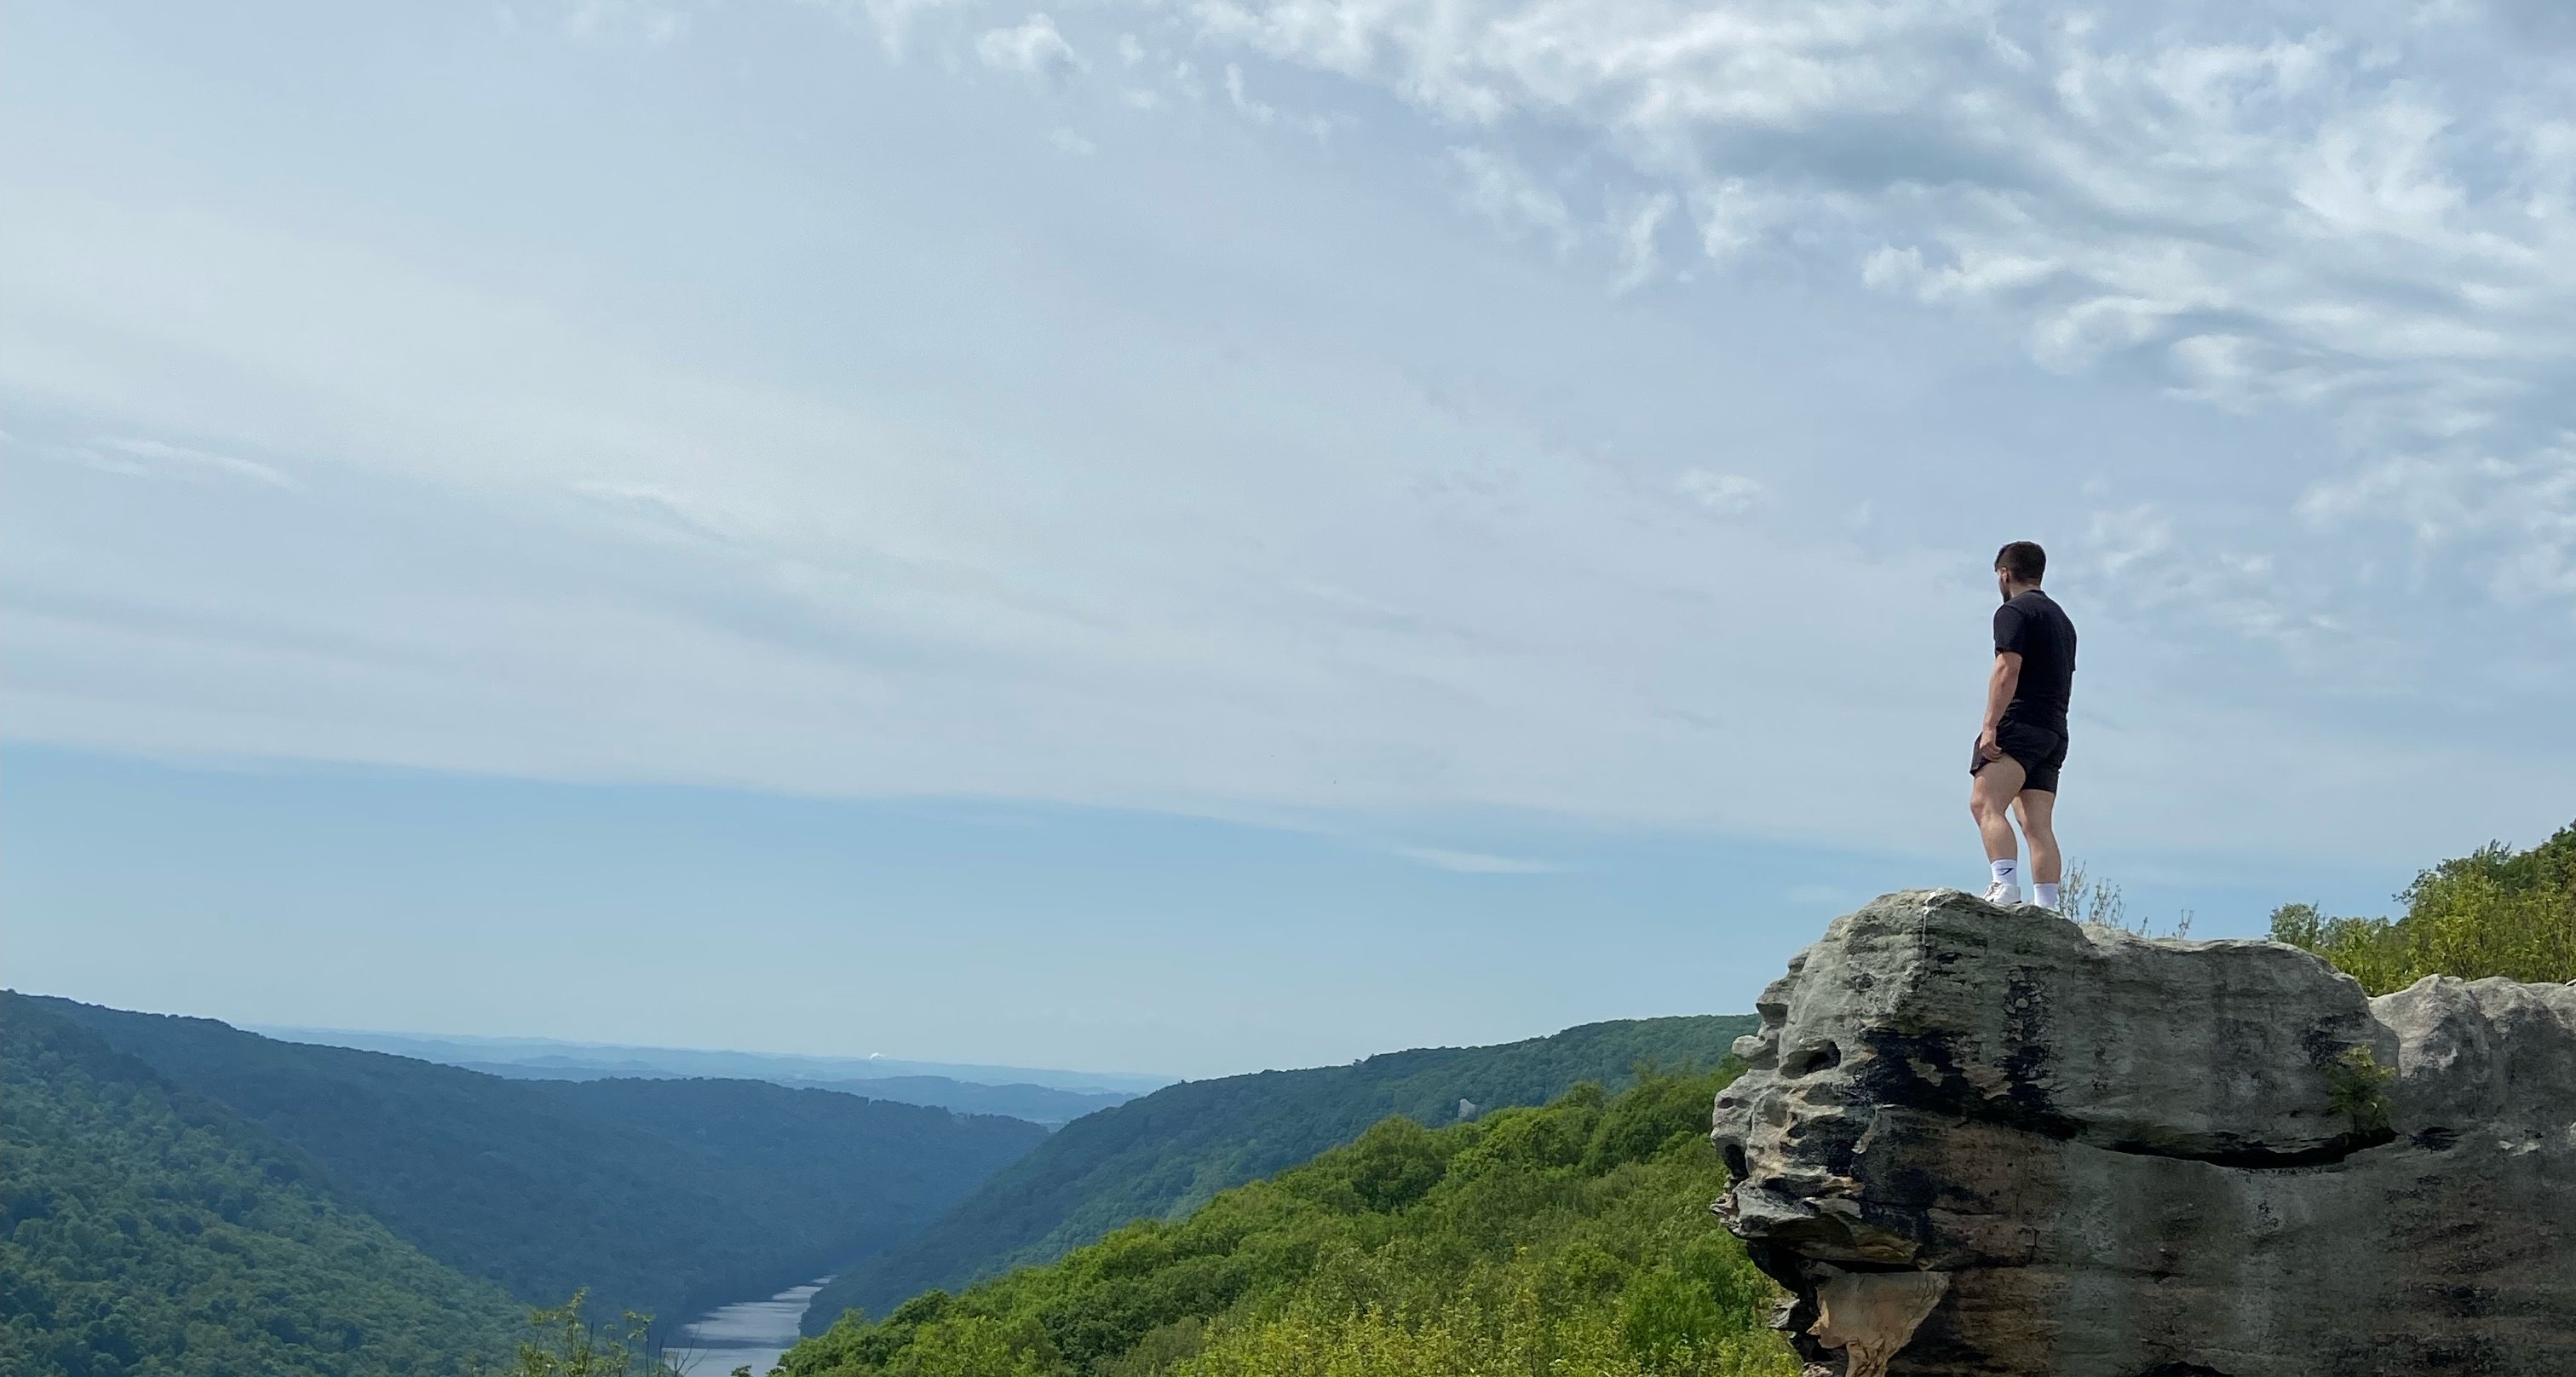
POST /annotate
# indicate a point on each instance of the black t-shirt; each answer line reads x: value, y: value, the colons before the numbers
x: 2035, y: 627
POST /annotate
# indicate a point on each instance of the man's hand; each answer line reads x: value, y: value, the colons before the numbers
x: 1987, y: 749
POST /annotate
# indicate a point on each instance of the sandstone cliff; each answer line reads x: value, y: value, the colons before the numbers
x: 1991, y: 1142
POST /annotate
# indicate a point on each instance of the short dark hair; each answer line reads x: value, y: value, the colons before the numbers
x: 2024, y: 560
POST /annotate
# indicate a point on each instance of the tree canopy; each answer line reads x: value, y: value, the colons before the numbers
x: 147, y: 1230
x: 661, y: 1196
x: 1572, y: 1239
x: 1166, y: 1154
x: 2496, y: 911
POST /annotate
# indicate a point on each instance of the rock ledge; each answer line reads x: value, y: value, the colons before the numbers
x: 1993, y: 1142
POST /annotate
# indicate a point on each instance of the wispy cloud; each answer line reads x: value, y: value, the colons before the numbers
x: 159, y: 459
x: 2331, y: 208
x: 653, y: 510
x: 1499, y: 188
x: 1476, y: 862
x: 1726, y: 494
x: 1241, y: 471
x: 1638, y: 259
x: 1032, y: 48
x: 1259, y: 111
x: 652, y: 22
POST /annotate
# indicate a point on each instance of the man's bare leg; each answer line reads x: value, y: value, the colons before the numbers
x: 1990, y: 797
x: 2037, y: 809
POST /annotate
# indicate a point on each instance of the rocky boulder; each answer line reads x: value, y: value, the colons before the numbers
x: 1989, y: 1141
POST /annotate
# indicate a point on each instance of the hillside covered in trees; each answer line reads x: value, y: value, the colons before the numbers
x: 663, y: 1196
x: 1052, y: 1098
x: 1572, y: 1240
x: 145, y: 1229
x: 1166, y: 1154
x: 2496, y: 911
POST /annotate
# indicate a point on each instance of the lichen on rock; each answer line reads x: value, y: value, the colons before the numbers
x: 2125, y: 1156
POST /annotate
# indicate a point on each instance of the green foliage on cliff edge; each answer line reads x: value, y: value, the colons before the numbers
x: 2495, y: 912
x: 144, y: 1229
x: 1573, y: 1239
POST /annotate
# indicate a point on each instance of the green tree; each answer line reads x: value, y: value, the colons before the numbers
x: 568, y: 1345
x: 2496, y: 911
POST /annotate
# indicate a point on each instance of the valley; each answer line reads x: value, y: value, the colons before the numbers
x: 747, y: 1205
x: 667, y: 1197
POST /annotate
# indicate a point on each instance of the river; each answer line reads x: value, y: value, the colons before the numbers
x: 747, y: 1334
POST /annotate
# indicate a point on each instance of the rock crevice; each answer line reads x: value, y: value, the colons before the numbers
x: 2122, y: 1156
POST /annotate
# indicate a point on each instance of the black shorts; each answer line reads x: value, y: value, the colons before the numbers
x: 2041, y: 751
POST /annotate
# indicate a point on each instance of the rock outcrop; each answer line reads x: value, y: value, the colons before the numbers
x: 2039, y: 1148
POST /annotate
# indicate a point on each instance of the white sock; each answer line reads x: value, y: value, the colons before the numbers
x: 2047, y: 895
x: 2006, y: 872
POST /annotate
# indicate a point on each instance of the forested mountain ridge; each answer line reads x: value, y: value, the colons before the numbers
x: 1045, y: 1097
x: 1039, y: 1104
x: 1163, y: 1155
x: 146, y: 1229
x: 1572, y: 1240
x: 664, y: 1196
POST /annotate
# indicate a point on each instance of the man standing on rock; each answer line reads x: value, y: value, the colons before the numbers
x: 2023, y: 741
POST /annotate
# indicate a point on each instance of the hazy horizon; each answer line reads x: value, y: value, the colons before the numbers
x: 514, y: 1049
x: 874, y: 1064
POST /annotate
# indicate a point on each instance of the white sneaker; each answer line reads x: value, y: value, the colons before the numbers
x: 2003, y: 894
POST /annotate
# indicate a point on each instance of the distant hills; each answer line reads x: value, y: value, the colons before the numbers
x: 146, y: 1229
x: 1165, y: 1154
x: 1039, y: 1096
x: 667, y: 1196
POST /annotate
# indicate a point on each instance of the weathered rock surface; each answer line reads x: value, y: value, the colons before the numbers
x: 2134, y: 1158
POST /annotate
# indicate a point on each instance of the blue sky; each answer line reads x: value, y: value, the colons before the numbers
x: 1192, y: 536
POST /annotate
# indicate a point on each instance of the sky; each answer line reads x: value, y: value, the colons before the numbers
x: 1193, y: 535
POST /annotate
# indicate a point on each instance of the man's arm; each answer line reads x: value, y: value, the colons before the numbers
x: 2000, y: 687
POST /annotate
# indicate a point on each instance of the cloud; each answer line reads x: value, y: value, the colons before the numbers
x: 1253, y: 481
x: 2324, y: 208
x: 1257, y: 111
x: 648, y: 21
x: 1497, y: 187
x: 1476, y: 862
x: 1637, y: 258
x: 2525, y: 506
x: 894, y: 20
x: 1726, y: 494
x: 1733, y: 217
x: 660, y: 512
x: 158, y: 459
x: 1032, y: 48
